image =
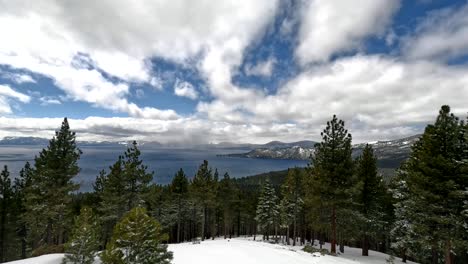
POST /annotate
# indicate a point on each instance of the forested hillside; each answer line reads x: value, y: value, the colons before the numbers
x: 420, y: 215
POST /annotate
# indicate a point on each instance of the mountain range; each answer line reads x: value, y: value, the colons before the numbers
x: 389, y: 153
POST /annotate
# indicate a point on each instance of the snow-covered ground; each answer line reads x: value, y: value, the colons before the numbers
x: 245, y: 251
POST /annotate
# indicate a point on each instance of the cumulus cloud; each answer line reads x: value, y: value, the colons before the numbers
x: 442, y: 35
x: 99, y: 54
x: 18, y: 78
x: 329, y: 27
x: 7, y: 93
x: 263, y: 68
x: 185, y: 89
x: 49, y: 100
x: 217, y: 32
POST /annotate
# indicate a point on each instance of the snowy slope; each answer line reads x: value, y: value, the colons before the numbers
x: 245, y: 251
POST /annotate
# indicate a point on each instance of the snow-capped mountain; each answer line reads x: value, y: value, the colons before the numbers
x: 390, y: 151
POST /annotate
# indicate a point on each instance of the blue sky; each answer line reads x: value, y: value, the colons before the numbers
x: 249, y: 71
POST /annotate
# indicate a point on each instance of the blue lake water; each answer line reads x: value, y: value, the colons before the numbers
x: 163, y: 161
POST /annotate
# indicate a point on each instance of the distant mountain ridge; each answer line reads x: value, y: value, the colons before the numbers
x: 390, y: 153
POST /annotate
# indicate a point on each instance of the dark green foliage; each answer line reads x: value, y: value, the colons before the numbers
x: 179, y: 192
x: 6, y: 197
x: 203, y: 191
x: 124, y: 187
x: 228, y: 197
x: 437, y: 180
x: 47, y: 198
x: 268, y: 210
x: 331, y: 173
x: 136, y: 176
x: 84, y: 241
x: 292, y: 201
x: 137, y: 239
x: 370, y: 197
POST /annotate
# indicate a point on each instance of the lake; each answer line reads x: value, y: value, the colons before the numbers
x: 163, y: 161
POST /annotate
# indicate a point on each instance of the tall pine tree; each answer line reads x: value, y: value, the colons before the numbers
x: 437, y: 181
x: 6, y: 195
x: 332, y: 169
x: 268, y: 211
x: 48, y: 198
x: 370, y: 195
x: 179, y: 190
x: 292, y: 201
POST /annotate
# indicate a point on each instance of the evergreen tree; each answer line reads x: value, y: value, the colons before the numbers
x: 179, y: 190
x: 5, y: 211
x: 228, y: 199
x: 136, y: 177
x: 437, y: 181
x: 84, y: 242
x: 204, y: 193
x: 111, y: 190
x: 137, y: 239
x: 48, y: 198
x: 402, y: 232
x: 21, y: 184
x: 292, y: 201
x: 268, y: 210
x: 332, y: 169
x: 370, y: 196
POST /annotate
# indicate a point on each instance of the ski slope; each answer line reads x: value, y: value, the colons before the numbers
x: 244, y: 251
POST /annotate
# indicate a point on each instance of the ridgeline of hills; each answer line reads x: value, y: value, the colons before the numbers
x: 302, y: 150
x: 389, y: 153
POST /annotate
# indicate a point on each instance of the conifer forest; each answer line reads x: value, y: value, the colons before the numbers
x: 420, y: 214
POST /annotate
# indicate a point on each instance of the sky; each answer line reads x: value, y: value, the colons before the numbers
x: 202, y: 71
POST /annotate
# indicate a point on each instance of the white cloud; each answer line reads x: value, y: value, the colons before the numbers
x: 263, y: 68
x: 157, y: 83
x: 443, y: 35
x: 217, y: 33
x: 185, y: 89
x: 329, y: 27
x: 49, y: 100
x: 6, y: 93
x: 18, y: 78
x: 139, y: 93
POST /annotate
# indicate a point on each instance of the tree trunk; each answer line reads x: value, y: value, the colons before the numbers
x: 203, y: 224
x: 448, y: 252
x: 341, y: 243
x: 365, y: 245
x: 287, y: 236
x: 333, y: 231
x: 294, y: 232
x: 2, y: 230
x: 435, y: 255
x: 403, y: 258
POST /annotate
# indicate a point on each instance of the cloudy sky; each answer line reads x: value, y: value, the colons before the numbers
x: 200, y: 71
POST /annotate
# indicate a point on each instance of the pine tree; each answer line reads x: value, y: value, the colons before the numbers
x: 268, y: 210
x: 111, y: 190
x: 204, y: 193
x: 48, y: 198
x: 5, y: 211
x: 179, y: 190
x: 136, y: 176
x: 437, y: 181
x: 292, y: 201
x: 332, y: 169
x: 84, y: 242
x: 228, y: 199
x: 137, y: 239
x: 370, y: 195
x: 402, y: 232
x: 21, y: 184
